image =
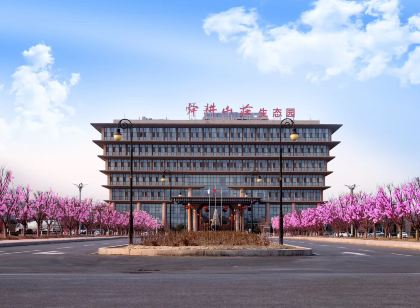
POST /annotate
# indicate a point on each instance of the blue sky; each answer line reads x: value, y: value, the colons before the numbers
x: 150, y: 59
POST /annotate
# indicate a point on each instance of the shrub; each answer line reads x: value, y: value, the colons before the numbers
x: 205, y: 238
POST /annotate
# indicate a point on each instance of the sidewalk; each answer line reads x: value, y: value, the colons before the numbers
x: 43, y: 241
x: 359, y: 241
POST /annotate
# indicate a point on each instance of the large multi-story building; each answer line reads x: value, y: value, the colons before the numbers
x: 185, y: 169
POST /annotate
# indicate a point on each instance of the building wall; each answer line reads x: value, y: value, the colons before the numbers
x: 226, y: 155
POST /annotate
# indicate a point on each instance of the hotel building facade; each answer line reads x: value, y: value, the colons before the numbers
x: 231, y: 166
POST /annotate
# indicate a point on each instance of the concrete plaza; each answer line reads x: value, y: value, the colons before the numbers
x: 338, y: 275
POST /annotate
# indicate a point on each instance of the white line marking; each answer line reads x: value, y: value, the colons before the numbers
x: 66, y: 247
x: 88, y: 245
x: 52, y: 252
x: 354, y: 253
x: 15, y: 252
x: 341, y: 247
x: 324, y: 245
x: 367, y: 250
x: 400, y: 254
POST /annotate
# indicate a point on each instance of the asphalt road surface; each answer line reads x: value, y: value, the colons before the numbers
x: 338, y: 275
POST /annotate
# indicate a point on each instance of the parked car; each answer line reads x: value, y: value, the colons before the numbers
x: 98, y: 232
x: 378, y: 234
x: 344, y: 234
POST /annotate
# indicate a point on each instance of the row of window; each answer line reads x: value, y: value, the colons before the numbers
x: 265, y: 195
x: 220, y: 133
x: 222, y: 150
x: 265, y: 180
x: 218, y: 165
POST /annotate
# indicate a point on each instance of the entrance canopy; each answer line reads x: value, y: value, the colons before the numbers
x: 229, y: 201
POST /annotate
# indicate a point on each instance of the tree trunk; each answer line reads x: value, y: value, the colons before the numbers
x: 4, y: 230
x: 39, y: 227
x: 401, y: 231
x: 417, y: 234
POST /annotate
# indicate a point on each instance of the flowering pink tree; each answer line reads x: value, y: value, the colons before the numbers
x: 99, y: 213
x: 5, y: 181
x: 53, y: 213
x: 143, y: 221
x: 41, y: 203
x: 9, y: 207
x: 412, y: 195
x: 24, y: 208
x: 70, y: 212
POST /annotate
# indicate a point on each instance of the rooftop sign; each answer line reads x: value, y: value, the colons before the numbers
x: 246, y: 112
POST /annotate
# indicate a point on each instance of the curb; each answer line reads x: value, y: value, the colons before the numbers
x: 56, y: 241
x: 202, y: 251
x: 375, y: 243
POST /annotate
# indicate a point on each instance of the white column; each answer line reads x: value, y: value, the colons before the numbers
x: 164, y: 221
x: 237, y: 220
x: 267, y: 213
x: 189, y: 219
x: 195, y: 220
x: 242, y: 220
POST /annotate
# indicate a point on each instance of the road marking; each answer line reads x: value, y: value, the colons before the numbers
x: 354, y: 253
x: 341, y: 247
x: 367, y: 250
x: 315, y: 254
x: 16, y: 252
x: 401, y: 254
x: 52, y: 252
x: 88, y: 245
x: 66, y: 247
x: 325, y: 245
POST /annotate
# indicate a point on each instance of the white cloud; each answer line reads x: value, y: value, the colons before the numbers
x: 40, y: 98
x: 75, y: 78
x: 39, y: 56
x: 328, y: 40
x: 410, y: 72
x: 234, y: 21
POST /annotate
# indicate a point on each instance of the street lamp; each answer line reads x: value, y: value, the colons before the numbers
x: 80, y: 187
x: 126, y: 124
x: 352, y: 188
x: 289, y: 123
x: 163, y: 180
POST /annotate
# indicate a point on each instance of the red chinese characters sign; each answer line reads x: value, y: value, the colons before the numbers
x: 245, y: 112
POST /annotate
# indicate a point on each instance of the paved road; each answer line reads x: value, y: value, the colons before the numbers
x: 73, y: 275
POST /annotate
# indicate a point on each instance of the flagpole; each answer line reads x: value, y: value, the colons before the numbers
x: 208, y: 192
x: 221, y: 209
x: 215, y: 205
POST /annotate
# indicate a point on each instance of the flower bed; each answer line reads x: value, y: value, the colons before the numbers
x: 205, y: 238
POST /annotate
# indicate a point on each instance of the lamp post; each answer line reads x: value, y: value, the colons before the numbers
x: 352, y: 188
x: 288, y: 123
x: 163, y: 180
x: 259, y: 179
x: 80, y: 187
x: 126, y: 124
